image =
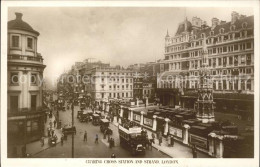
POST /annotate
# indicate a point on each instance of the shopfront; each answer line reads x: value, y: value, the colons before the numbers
x: 25, y: 128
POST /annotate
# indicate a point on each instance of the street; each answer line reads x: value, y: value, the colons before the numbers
x: 89, y: 149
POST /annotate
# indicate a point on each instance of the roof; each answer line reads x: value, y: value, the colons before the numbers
x: 226, y: 26
x: 19, y: 24
x: 185, y: 26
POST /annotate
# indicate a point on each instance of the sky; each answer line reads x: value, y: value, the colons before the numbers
x: 119, y: 36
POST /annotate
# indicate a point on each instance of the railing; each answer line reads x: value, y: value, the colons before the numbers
x: 24, y: 57
x: 25, y: 111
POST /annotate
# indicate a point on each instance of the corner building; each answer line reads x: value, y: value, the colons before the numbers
x: 25, y: 89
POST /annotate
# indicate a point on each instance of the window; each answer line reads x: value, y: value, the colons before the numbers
x: 224, y: 49
x: 235, y: 47
x: 33, y: 79
x: 243, y: 59
x: 123, y: 80
x: 14, y: 78
x: 219, y: 61
x: 248, y: 45
x: 102, y: 94
x: 29, y: 43
x: 244, y: 25
x: 14, y: 103
x: 248, y: 70
x: 15, y: 41
x: 248, y: 84
x: 33, y: 102
x: 224, y: 84
x: 230, y: 60
x: 211, y: 33
x: 214, y: 50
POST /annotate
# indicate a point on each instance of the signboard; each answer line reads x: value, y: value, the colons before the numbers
x: 175, y: 131
x: 148, y: 122
x: 199, y: 141
x: 137, y: 117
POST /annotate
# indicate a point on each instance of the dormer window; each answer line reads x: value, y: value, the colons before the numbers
x: 244, y: 25
x: 202, y: 35
x: 211, y: 33
x: 232, y: 28
x: 221, y: 30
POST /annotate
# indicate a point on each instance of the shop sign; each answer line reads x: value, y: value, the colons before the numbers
x: 137, y: 117
x: 148, y: 122
x: 175, y: 131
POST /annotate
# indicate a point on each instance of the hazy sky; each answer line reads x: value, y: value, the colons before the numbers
x: 121, y: 36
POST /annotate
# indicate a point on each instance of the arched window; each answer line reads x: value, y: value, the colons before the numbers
x: 221, y: 30
x: 232, y: 28
x: 202, y: 35
x: 244, y: 25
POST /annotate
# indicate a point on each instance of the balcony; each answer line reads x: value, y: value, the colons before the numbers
x: 26, y: 111
x: 24, y: 58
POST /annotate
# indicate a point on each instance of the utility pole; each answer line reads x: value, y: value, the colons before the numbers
x: 72, y: 144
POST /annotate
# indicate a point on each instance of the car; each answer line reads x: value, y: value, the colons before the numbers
x: 79, y: 113
x: 52, y: 141
x: 69, y: 130
x: 104, y: 126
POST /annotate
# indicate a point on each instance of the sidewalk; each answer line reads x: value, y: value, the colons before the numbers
x: 177, y: 151
x: 36, y: 147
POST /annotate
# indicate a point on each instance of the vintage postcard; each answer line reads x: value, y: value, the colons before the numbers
x: 149, y: 83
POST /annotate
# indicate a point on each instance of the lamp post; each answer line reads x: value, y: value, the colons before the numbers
x: 72, y: 121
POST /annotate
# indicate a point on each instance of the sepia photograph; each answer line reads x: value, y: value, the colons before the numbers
x: 130, y: 82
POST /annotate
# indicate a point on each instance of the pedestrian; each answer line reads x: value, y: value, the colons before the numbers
x: 96, y: 139
x: 194, y: 151
x: 61, y: 139
x: 160, y: 140
x: 113, y: 155
x: 52, y: 132
x: 153, y: 137
x: 105, y: 133
x: 42, y: 141
x: 49, y: 132
x: 50, y: 124
x: 172, y: 141
x: 54, y: 122
x: 85, y: 136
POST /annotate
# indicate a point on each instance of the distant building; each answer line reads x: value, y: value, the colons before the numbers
x: 109, y: 83
x: 25, y: 87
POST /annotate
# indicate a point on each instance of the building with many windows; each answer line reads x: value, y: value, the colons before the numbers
x: 25, y: 83
x: 109, y: 83
x: 230, y: 47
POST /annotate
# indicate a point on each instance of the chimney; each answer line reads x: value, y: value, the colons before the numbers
x: 222, y: 22
x: 215, y: 22
x: 234, y: 17
x: 18, y: 16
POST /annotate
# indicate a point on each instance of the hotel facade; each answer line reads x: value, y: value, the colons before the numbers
x: 230, y: 48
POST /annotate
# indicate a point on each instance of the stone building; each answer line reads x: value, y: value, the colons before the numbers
x: 230, y: 47
x: 25, y: 83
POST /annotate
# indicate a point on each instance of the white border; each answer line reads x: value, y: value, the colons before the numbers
x: 81, y: 161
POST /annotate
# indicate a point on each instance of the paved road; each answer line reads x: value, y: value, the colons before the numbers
x: 89, y: 149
